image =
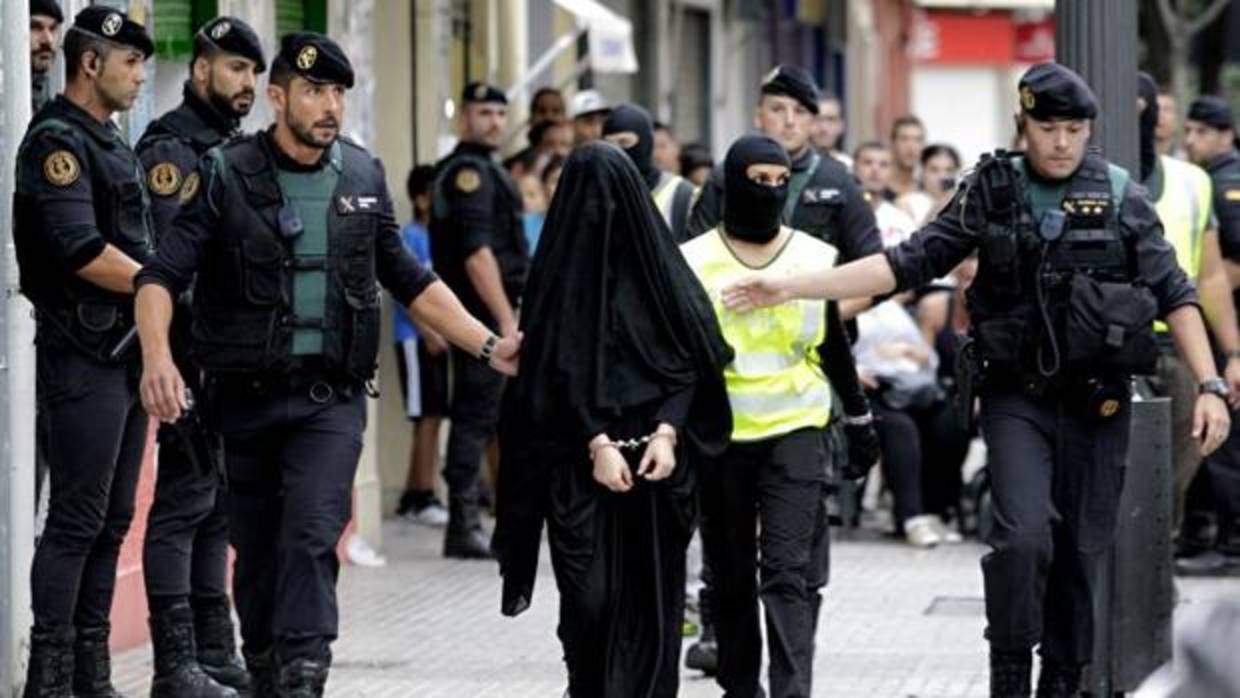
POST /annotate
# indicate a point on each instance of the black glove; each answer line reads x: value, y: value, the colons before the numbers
x: 863, y: 450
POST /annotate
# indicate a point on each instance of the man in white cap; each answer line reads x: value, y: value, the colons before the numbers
x: 589, y: 109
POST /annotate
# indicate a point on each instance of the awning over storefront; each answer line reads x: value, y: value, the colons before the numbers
x: 610, y: 35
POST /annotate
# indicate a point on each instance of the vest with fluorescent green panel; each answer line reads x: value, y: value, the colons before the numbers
x: 310, y: 194
x: 1183, y: 207
x: 775, y: 383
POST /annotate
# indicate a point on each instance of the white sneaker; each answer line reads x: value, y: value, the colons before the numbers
x: 947, y: 533
x: 433, y: 514
x: 921, y: 532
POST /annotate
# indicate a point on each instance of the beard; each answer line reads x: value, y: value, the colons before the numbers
x: 227, y: 105
x: 304, y: 132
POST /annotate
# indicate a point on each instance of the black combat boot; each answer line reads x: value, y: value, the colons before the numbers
x: 177, y: 674
x: 262, y: 668
x: 50, y: 674
x: 465, y: 538
x: 1058, y: 680
x: 92, y: 664
x: 1010, y: 673
x: 703, y: 655
x: 303, y: 678
x: 217, y: 643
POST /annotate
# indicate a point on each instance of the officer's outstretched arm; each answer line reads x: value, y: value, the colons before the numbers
x: 866, y: 277
x: 162, y: 388
x: 439, y: 308
x: 111, y: 270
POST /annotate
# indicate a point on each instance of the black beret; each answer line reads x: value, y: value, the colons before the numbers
x: 480, y: 92
x: 231, y: 35
x: 316, y: 58
x: 115, y: 26
x: 1052, y: 91
x: 1212, y: 111
x: 792, y: 81
x: 47, y: 8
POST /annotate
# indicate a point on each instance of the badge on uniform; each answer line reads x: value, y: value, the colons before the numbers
x: 352, y: 204
x: 467, y: 180
x: 824, y: 195
x: 189, y: 188
x: 164, y: 179
x: 61, y: 168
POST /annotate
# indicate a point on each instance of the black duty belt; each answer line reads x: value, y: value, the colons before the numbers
x: 320, y: 387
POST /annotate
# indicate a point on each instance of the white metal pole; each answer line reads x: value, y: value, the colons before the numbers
x: 16, y: 369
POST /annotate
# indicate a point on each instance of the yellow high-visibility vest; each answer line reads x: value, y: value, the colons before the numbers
x: 1184, y: 209
x: 665, y: 193
x: 775, y: 383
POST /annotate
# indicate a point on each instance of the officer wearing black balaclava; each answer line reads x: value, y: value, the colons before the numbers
x: 630, y: 128
x: 788, y: 358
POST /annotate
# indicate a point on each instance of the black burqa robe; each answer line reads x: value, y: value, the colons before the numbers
x: 619, y: 336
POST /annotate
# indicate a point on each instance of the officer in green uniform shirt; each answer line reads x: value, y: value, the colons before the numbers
x: 1073, y: 270
x: 289, y: 233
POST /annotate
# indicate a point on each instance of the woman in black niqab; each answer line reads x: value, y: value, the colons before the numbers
x: 621, y: 344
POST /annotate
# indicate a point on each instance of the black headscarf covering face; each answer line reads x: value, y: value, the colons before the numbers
x: 632, y: 118
x: 613, y: 318
x: 752, y: 211
x: 1147, y: 90
x: 612, y: 315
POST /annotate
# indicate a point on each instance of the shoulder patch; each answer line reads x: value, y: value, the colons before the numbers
x: 190, y: 188
x: 164, y: 179
x: 61, y: 168
x: 468, y: 180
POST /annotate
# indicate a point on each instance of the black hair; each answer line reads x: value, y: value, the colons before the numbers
x: 538, y: 130
x: 869, y: 145
x: 281, y: 72
x: 693, y: 156
x: 936, y: 149
x: 420, y: 179
x: 543, y: 91
x: 77, y: 44
x: 906, y: 120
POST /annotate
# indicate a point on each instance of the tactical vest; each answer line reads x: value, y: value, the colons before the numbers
x: 91, y: 318
x: 1058, y: 293
x: 775, y: 383
x: 245, y: 314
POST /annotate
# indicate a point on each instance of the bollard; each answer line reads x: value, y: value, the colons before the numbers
x: 1135, y: 595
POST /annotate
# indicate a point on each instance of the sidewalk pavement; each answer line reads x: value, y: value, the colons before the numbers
x: 897, y: 623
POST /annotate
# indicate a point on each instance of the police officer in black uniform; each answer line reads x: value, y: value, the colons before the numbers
x: 1073, y: 270
x: 45, y: 19
x: 82, y: 230
x: 185, y: 554
x: 289, y: 232
x: 1209, y: 541
x: 478, y: 244
x: 823, y: 198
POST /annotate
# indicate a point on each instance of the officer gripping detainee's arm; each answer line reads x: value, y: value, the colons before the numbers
x: 227, y: 236
x: 1056, y: 151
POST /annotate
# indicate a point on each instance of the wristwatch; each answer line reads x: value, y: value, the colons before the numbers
x: 1214, y: 386
x: 488, y: 348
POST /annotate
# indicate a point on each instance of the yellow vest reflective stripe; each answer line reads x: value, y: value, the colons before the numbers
x: 665, y: 193
x: 775, y: 383
x: 1184, y: 210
